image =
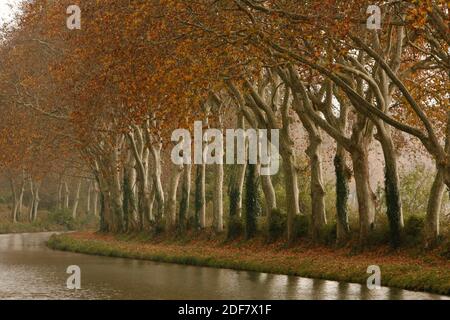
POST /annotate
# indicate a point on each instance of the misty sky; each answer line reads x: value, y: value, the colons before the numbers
x: 6, y: 11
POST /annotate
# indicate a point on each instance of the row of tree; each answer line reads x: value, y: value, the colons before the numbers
x: 115, y: 90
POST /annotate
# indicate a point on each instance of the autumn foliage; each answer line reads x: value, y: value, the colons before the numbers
x: 111, y: 94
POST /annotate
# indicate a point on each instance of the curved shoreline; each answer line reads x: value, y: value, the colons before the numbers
x: 428, y: 274
x: 24, y: 228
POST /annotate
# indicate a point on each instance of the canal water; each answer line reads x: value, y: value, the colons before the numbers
x: 29, y: 270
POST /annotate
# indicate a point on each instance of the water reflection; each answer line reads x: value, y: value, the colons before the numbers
x: 28, y: 270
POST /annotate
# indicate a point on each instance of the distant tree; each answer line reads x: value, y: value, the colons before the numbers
x: 251, y: 202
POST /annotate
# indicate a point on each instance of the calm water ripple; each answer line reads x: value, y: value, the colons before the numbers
x: 29, y: 270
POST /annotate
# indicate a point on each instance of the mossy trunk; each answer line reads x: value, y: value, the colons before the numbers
x: 392, y: 185
x: 342, y: 195
x: 198, y: 197
x: 251, y: 201
x: 233, y: 195
x: 184, y: 202
x: 128, y: 201
x: 104, y: 225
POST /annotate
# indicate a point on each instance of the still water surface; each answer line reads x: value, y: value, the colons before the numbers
x: 29, y: 270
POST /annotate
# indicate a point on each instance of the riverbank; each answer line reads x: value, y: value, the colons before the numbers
x: 8, y: 228
x: 47, y: 221
x: 406, y: 270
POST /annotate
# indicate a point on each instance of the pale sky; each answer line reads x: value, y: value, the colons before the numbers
x: 6, y: 11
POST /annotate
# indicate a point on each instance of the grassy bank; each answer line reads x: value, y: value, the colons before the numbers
x: 407, y: 270
x: 22, y: 227
x: 58, y: 220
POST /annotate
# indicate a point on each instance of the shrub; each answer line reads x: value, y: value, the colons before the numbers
x: 62, y: 217
x: 446, y: 250
x: 413, y: 230
x: 328, y: 234
x: 235, y: 227
x: 301, y: 226
x: 157, y: 226
x: 276, y: 225
x: 193, y: 223
x: 415, y: 186
x: 87, y: 221
x: 380, y: 233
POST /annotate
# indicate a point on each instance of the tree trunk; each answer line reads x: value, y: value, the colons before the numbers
x: 60, y: 190
x: 251, y: 201
x: 447, y: 154
x: 106, y: 219
x: 184, y: 215
x: 140, y: 154
x: 115, y: 205
x: 392, y: 186
x: 95, y: 202
x: 116, y: 196
x: 318, y: 210
x: 366, y: 207
x: 151, y: 217
x: 157, y: 184
x: 318, y: 213
x: 292, y: 195
x: 290, y: 172
x: 202, y: 219
x: 88, y: 200
x: 110, y: 184
x: 241, y: 170
x: 198, y: 197
x: 171, y: 214
x: 15, y: 201
x: 66, y: 195
x: 128, y: 199
x: 20, y: 203
x: 30, y: 209
x: 144, y: 211
x: 36, y: 201
x: 133, y: 196
x: 434, y: 208
x: 269, y: 195
x: 76, y: 200
x: 218, y: 197
x: 342, y: 194
x: 235, y: 189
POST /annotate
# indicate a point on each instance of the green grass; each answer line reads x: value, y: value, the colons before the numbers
x: 430, y: 277
x: 57, y: 220
x: 22, y: 227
